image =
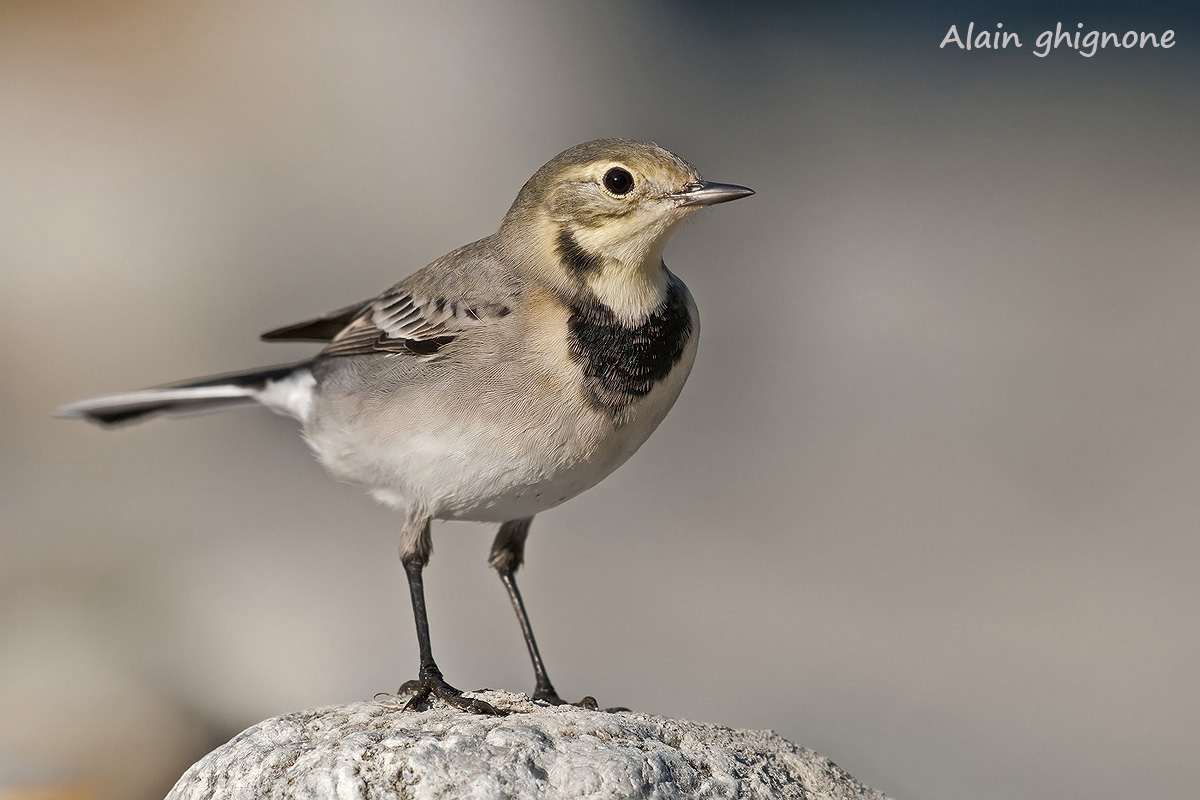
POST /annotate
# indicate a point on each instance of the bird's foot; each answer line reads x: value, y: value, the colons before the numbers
x: 548, y: 695
x: 431, y: 684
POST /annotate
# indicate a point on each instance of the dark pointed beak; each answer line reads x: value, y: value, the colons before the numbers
x: 707, y: 193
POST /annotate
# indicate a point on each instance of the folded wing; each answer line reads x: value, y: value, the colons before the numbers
x: 401, y: 321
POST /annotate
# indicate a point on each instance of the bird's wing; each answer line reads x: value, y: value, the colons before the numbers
x: 464, y: 290
x: 462, y: 293
x: 403, y: 320
x: 319, y: 329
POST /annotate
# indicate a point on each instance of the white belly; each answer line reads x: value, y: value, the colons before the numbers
x: 488, y: 464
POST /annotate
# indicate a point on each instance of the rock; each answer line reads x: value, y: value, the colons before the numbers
x: 375, y: 750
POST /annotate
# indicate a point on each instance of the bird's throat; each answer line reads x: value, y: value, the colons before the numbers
x: 627, y: 276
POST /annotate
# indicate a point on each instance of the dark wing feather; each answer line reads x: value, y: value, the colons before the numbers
x: 462, y: 291
x: 399, y: 322
x: 320, y: 329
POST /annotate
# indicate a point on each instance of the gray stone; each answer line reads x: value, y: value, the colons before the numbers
x: 375, y: 750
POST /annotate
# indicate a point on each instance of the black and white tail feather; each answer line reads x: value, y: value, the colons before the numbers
x: 286, y: 389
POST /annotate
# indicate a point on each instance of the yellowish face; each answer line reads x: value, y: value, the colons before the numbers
x: 613, y: 215
x: 595, y: 219
x: 623, y: 209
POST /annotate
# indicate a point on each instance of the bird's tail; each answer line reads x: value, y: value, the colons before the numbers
x: 286, y: 389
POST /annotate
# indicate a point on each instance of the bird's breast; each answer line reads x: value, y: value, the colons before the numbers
x: 564, y: 396
x: 621, y: 364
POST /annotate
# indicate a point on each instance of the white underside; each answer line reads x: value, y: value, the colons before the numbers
x: 488, y: 465
x: 291, y: 396
x: 488, y: 470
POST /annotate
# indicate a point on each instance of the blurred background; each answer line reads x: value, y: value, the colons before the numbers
x: 928, y: 504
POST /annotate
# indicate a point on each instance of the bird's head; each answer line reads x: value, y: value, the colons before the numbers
x: 595, y: 219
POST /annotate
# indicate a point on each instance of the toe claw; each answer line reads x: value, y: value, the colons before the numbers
x: 551, y: 697
x: 419, y: 697
x: 477, y: 706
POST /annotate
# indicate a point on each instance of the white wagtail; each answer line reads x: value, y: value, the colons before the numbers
x: 504, y: 378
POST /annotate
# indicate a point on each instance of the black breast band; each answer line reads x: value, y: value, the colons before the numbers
x: 620, y: 363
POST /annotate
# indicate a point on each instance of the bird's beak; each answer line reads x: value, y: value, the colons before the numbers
x: 707, y: 193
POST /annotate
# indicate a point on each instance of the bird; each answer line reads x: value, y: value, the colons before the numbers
x: 500, y: 380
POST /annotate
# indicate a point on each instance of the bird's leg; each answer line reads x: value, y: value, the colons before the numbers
x: 508, y: 553
x: 415, y: 548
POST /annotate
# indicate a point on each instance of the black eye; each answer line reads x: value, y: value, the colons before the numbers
x: 618, y: 181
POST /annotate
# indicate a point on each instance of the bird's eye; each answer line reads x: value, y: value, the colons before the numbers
x: 618, y: 181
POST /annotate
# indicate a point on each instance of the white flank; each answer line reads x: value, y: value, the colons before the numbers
x: 291, y: 396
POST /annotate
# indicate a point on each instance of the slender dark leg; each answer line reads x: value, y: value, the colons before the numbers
x: 415, y: 549
x: 508, y: 553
